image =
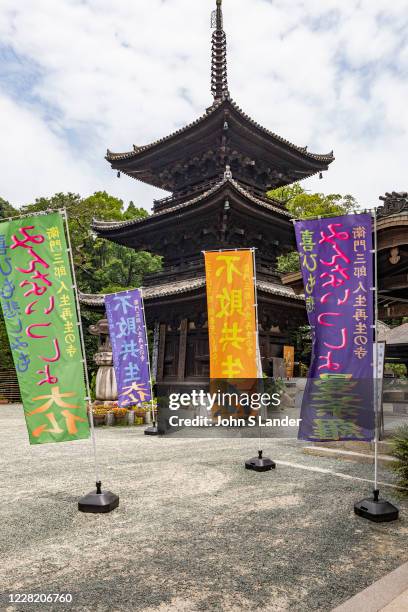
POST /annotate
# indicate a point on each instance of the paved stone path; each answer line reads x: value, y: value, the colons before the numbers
x: 194, y: 530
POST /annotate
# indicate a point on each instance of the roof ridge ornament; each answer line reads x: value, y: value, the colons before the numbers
x: 227, y: 173
x: 219, y: 77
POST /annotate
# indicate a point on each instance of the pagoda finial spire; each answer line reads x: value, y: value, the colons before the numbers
x: 219, y: 78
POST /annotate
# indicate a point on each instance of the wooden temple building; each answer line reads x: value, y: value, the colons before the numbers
x: 392, y: 227
x: 217, y: 170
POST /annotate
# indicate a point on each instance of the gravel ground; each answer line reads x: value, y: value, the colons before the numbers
x: 194, y: 529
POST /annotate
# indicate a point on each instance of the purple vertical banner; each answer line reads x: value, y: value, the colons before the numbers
x: 337, y: 266
x: 129, y: 347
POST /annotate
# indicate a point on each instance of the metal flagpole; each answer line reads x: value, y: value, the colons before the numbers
x: 260, y: 463
x: 373, y: 508
x: 154, y: 429
x: 329, y: 216
x: 375, y: 360
x: 258, y: 355
x: 37, y: 213
x: 229, y: 250
x: 81, y: 335
x: 99, y: 501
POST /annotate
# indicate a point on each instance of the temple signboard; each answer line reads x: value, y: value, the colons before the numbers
x: 336, y: 261
x: 231, y: 314
x: 130, y: 353
x: 38, y: 303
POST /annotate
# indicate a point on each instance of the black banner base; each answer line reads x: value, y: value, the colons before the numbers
x: 260, y: 463
x: 376, y: 509
x: 98, y: 501
x: 152, y: 431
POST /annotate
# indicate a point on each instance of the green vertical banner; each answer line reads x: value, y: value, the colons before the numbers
x: 39, y: 308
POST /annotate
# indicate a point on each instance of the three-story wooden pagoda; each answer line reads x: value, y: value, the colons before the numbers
x: 218, y: 170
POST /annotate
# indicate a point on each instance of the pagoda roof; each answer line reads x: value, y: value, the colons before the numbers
x: 117, y: 230
x: 154, y: 163
x: 96, y: 301
x: 226, y: 103
x: 223, y: 135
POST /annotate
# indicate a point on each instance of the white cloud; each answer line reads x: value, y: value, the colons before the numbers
x: 325, y: 73
x: 33, y: 160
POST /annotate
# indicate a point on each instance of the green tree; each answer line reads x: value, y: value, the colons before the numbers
x: 101, y: 266
x: 288, y: 263
x: 286, y: 194
x: 6, y: 209
x: 305, y: 205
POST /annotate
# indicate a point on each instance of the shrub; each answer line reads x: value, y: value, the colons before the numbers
x: 288, y: 263
x: 400, y: 451
x: 399, y: 370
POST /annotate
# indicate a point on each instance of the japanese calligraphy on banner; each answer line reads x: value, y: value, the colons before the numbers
x: 337, y: 268
x: 129, y: 347
x: 231, y: 314
x: 38, y: 303
x: 289, y: 359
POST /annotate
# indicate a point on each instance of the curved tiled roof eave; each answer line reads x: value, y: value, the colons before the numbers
x: 182, y: 287
x: 326, y: 157
x: 149, y: 292
x: 111, y: 157
x: 115, y: 225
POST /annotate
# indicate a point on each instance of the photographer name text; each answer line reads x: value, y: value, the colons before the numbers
x: 251, y: 421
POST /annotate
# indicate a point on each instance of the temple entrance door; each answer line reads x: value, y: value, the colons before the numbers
x: 197, y: 355
x: 270, y: 346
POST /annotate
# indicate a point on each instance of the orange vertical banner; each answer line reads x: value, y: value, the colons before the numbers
x: 289, y: 359
x: 231, y: 314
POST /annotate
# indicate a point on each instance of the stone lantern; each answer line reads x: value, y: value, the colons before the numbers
x: 106, y: 391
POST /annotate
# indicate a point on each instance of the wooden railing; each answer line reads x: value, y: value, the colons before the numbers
x: 9, y: 388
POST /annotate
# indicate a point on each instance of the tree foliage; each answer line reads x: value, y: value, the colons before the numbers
x: 303, y: 205
x: 288, y: 263
x: 6, y: 209
x: 101, y: 266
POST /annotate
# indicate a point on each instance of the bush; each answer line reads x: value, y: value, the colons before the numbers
x: 399, y: 370
x: 400, y: 451
x: 288, y: 263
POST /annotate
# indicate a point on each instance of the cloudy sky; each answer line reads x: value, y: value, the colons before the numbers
x: 80, y: 76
